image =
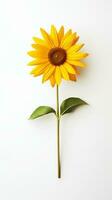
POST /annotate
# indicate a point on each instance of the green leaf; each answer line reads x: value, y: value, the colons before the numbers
x: 42, y: 110
x: 70, y: 104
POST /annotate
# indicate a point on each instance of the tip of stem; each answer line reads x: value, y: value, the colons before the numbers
x: 59, y: 174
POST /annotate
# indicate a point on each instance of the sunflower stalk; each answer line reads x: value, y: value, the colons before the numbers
x: 58, y: 131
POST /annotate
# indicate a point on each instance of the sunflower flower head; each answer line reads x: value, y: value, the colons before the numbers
x: 56, y: 56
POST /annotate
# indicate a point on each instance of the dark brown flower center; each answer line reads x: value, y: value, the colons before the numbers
x: 57, y: 56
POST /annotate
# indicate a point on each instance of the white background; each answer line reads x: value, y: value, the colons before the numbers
x: 28, y: 164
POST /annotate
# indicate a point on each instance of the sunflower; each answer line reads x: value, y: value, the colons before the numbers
x: 56, y: 55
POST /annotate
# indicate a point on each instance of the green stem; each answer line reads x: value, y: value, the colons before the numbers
x: 58, y: 132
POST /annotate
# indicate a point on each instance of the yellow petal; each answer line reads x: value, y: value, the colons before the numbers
x: 48, y: 73
x: 34, y: 62
x: 74, y: 48
x: 75, y: 40
x: 39, y: 41
x: 40, y: 47
x: 69, y: 68
x: 67, y: 34
x: 77, y: 71
x: 68, y: 41
x: 38, y: 70
x: 52, y: 80
x: 38, y: 62
x: 46, y: 37
x: 57, y: 75
x: 64, y: 72
x: 76, y: 63
x: 77, y: 56
x: 61, y: 34
x: 54, y: 35
x: 32, y: 54
x: 43, y: 53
